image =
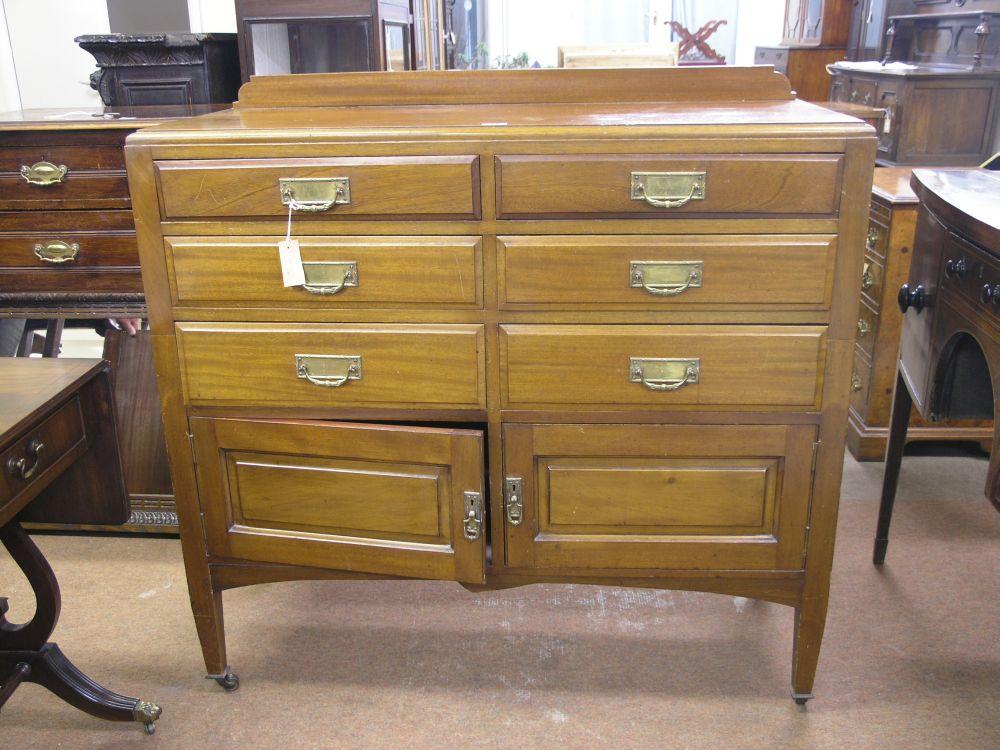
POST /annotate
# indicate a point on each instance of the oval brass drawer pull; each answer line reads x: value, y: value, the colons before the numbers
x: 44, y: 173
x: 314, y: 194
x: 19, y: 467
x: 668, y: 189
x: 665, y: 278
x: 57, y: 251
x: 659, y: 374
x: 329, y: 370
x: 329, y: 278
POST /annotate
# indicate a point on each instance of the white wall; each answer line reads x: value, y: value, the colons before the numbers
x: 212, y: 15
x: 51, y: 70
x: 10, y: 97
x: 759, y: 23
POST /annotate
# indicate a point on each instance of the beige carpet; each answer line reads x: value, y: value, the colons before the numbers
x: 911, y: 658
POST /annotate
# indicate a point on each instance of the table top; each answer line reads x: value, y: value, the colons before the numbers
x: 28, y: 386
x: 969, y: 199
x: 893, y: 184
x: 101, y: 118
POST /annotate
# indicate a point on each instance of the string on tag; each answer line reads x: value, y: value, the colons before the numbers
x: 288, y: 231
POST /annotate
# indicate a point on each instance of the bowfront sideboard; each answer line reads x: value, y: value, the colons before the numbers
x: 588, y: 326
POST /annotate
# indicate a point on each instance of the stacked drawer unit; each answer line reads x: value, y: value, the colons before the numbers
x: 545, y: 333
x: 888, y: 249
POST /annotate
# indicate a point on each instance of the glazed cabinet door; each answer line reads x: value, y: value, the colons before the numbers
x: 638, y: 498
x: 385, y: 499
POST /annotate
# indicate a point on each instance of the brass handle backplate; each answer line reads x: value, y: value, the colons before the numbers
x: 863, y: 328
x: 57, y: 251
x: 328, y: 370
x: 44, y: 173
x: 867, y: 277
x: 659, y: 374
x: 855, y: 382
x: 314, y: 194
x: 472, y: 517
x: 329, y: 278
x: 668, y: 189
x: 665, y: 278
x: 872, y: 240
x: 19, y: 468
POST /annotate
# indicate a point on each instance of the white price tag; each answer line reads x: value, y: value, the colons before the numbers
x: 292, y: 272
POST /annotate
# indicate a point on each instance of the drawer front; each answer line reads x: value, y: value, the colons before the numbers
x: 390, y: 500
x: 68, y: 222
x: 861, y: 377
x: 84, y: 190
x: 654, y: 272
x: 872, y: 277
x: 867, y: 329
x: 974, y: 274
x: 862, y: 92
x: 765, y: 185
x: 340, y: 272
x: 428, y: 187
x: 402, y: 366
x: 76, y: 159
x: 658, y: 497
x: 42, y: 453
x: 683, y: 365
x: 58, y: 250
x: 79, y: 283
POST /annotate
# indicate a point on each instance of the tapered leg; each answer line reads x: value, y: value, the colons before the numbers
x: 810, y: 621
x: 902, y: 403
x: 208, y: 619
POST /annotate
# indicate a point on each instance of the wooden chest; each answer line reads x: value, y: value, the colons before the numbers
x: 888, y: 249
x: 557, y: 325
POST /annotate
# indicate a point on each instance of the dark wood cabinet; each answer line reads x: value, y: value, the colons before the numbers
x: 139, y: 70
x: 816, y: 22
x: 336, y: 36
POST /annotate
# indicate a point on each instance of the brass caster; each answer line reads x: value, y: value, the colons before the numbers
x: 149, y: 728
x: 228, y: 681
x: 147, y: 713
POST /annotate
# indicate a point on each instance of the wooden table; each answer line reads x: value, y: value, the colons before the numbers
x: 59, y: 460
x: 951, y: 323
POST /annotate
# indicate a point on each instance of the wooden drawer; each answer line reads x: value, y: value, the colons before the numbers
x: 861, y: 378
x: 81, y: 283
x: 82, y: 190
x: 863, y: 92
x: 968, y: 270
x: 423, y: 187
x: 867, y: 330
x: 75, y: 158
x: 57, y: 250
x: 653, y: 272
x: 368, y: 271
x: 658, y: 497
x: 43, y: 453
x: 741, y: 185
x: 72, y: 221
x: 400, y: 366
x: 382, y: 499
x: 592, y: 366
x: 872, y: 278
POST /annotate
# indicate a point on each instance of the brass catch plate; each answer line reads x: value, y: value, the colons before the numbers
x: 668, y: 189
x: 314, y: 193
x: 331, y: 370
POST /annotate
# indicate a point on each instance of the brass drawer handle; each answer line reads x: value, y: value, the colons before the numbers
x: 668, y: 189
x: 57, y: 251
x: 328, y: 370
x: 44, y: 173
x: 872, y: 240
x: 855, y: 382
x: 863, y: 328
x: 19, y: 468
x: 665, y: 278
x: 867, y: 277
x: 660, y: 374
x: 329, y: 278
x: 314, y: 194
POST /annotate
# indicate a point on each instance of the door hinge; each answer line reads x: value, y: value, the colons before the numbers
x: 815, y: 457
x: 472, y: 513
x: 514, y: 500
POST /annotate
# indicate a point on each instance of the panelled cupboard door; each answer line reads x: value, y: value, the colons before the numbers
x: 384, y: 499
x: 657, y: 497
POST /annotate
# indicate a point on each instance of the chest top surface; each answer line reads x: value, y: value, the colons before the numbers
x: 28, y: 386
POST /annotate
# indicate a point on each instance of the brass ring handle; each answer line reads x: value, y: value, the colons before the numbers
x: 326, y: 381
x: 57, y: 251
x: 671, y: 290
x: 19, y: 468
x: 315, y: 206
x: 690, y: 375
x: 44, y: 173
x: 863, y: 328
x: 867, y: 280
x: 667, y: 202
x: 855, y: 382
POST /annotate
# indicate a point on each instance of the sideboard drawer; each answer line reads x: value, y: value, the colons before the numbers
x: 392, y: 500
x: 59, y: 250
x: 340, y: 271
x: 653, y: 272
x: 85, y: 190
x: 401, y: 366
x: 428, y: 187
x: 658, y: 497
x: 683, y: 365
x: 751, y: 185
x: 74, y: 158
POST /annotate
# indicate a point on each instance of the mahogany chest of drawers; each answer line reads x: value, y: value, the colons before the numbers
x: 562, y: 325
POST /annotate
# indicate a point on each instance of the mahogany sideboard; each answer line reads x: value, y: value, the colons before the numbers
x: 67, y: 250
x: 589, y: 326
x: 888, y: 252
x: 950, y: 343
